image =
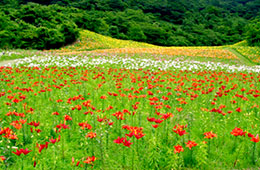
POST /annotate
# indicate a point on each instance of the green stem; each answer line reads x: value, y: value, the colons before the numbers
x: 253, y: 154
x: 63, y: 155
x: 191, y: 160
x: 133, y: 157
x: 209, y: 148
x: 101, y: 151
x: 107, y: 136
x: 92, y: 146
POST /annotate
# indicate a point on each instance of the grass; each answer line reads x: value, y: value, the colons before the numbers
x: 129, y: 107
x: 88, y: 110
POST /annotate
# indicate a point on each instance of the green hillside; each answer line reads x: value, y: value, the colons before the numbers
x: 51, y: 24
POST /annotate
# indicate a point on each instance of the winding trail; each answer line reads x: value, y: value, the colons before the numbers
x: 243, y: 58
x: 3, y: 63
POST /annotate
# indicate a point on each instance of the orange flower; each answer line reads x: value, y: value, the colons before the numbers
x: 91, y: 135
x: 179, y: 109
x: 209, y: 135
x: 22, y: 121
x: 191, y: 144
x: 90, y: 160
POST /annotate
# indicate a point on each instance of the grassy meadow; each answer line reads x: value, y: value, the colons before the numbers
x: 104, y: 103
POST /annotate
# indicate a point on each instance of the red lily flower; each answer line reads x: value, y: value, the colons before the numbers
x: 90, y: 160
x: 179, y: 129
x: 33, y: 123
x: 91, y: 135
x: 18, y: 152
x: 67, y: 117
x: 127, y: 143
x: 238, y: 132
x: 209, y: 135
x: 238, y: 109
x: 250, y: 135
x: 2, y: 158
x: 155, y: 126
x: 42, y: 146
x: 124, y: 141
x: 178, y: 149
x: 24, y: 151
x: 191, y: 144
x: 255, y: 139
x: 118, y: 140
x: 151, y: 119
x: 53, y: 141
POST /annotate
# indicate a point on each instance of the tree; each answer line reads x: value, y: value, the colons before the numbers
x: 253, y: 33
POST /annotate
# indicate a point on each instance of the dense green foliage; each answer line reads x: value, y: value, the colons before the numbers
x: 35, y: 26
x: 253, y: 33
x: 160, y: 22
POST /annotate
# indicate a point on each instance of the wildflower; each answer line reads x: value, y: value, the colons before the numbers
x: 237, y: 132
x: 90, y: 160
x: 178, y: 149
x: 2, y: 158
x: 67, y: 117
x: 238, y: 109
x: 42, y: 146
x: 179, y: 130
x: 255, y: 139
x: 191, y: 144
x: 209, y: 135
x: 124, y: 141
x: 155, y: 126
x: 55, y: 113
x: 53, y: 141
x: 24, y: 151
x: 85, y: 125
x: 91, y: 135
x: 33, y: 123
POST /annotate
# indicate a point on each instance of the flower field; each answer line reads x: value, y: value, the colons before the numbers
x: 177, y: 51
x: 114, y: 112
x: 252, y: 53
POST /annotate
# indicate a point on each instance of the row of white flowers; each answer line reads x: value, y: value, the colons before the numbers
x: 129, y: 63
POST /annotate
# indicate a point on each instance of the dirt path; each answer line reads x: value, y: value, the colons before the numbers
x: 4, y: 63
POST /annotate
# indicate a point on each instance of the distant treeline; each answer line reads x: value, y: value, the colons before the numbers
x: 45, y: 24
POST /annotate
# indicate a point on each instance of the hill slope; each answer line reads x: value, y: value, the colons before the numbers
x: 90, y: 42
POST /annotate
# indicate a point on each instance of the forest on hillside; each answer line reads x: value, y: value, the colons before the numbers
x: 47, y: 24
